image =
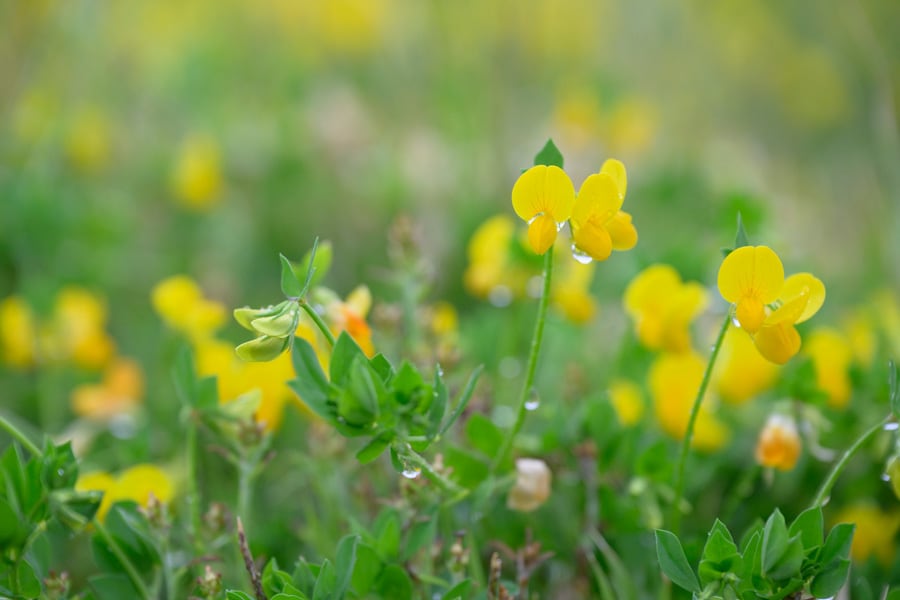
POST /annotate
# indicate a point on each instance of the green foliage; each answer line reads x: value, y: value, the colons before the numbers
x: 775, y: 561
x: 549, y: 155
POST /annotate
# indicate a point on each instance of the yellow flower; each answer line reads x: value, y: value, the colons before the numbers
x: 741, y: 373
x: 626, y: 400
x: 750, y: 278
x: 662, y: 307
x: 532, y: 487
x: 875, y: 532
x: 492, y: 273
x: 120, y: 392
x: 181, y: 304
x: 136, y: 483
x: 598, y: 226
x: 570, y: 294
x: 76, y: 332
x: 831, y: 356
x: 674, y: 380
x: 543, y: 196
x: 197, y: 177
x: 88, y: 141
x: 779, y: 443
x: 767, y: 306
x: 18, y: 334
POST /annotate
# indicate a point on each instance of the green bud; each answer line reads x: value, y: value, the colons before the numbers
x: 245, y: 315
x: 262, y: 349
x: 280, y: 324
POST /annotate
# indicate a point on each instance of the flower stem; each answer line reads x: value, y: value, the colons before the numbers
x: 193, y: 493
x: 318, y: 321
x: 17, y: 435
x: 692, y: 420
x: 417, y: 460
x: 839, y: 466
x: 536, y: 338
x: 130, y: 571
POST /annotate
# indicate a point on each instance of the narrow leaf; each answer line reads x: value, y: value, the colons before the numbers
x: 464, y: 398
x: 673, y: 561
x: 290, y: 285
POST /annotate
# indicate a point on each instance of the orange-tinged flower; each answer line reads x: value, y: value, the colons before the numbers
x: 831, y: 356
x: 674, y: 380
x: 741, y: 373
x: 598, y: 224
x: 76, y: 332
x: 543, y: 196
x: 875, y: 532
x: 750, y: 278
x: 120, y: 392
x: 779, y: 443
x: 662, y: 307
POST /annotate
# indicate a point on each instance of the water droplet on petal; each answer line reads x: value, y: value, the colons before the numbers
x: 582, y: 257
x: 735, y: 322
x: 411, y: 472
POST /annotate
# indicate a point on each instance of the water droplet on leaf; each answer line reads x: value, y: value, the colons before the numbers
x: 411, y: 472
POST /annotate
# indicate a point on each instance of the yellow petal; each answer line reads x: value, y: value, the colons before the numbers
x: 616, y: 170
x: 598, y: 199
x: 624, y: 235
x: 543, y: 189
x: 796, y: 284
x: 542, y: 233
x: 646, y: 289
x: 751, y: 272
x: 790, y: 311
x: 593, y: 240
x: 778, y: 343
x: 139, y: 481
x: 750, y: 313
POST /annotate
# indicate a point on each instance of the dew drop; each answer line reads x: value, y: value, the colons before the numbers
x: 735, y: 322
x: 582, y: 257
x: 891, y: 426
x: 533, y: 401
x: 60, y: 472
x: 885, y: 477
x: 411, y: 472
x: 440, y: 371
x: 500, y: 296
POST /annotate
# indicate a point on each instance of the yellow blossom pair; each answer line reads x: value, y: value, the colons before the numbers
x: 544, y: 197
x: 767, y: 306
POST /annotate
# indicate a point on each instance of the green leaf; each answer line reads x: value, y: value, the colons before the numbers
x: 438, y: 404
x: 464, y: 398
x: 312, y: 265
x: 310, y: 385
x: 273, y: 579
x: 387, y: 535
x: 326, y: 582
x: 740, y: 239
x: 774, y: 542
x: 358, y: 402
x: 130, y: 531
x: 483, y: 435
x: 420, y: 535
x: 468, y: 469
x: 673, y: 561
x: 382, y: 366
x: 345, y: 352
x: 549, y: 155
x: 837, y: 544
x: 460, y: 591
x: 893, y: 389
x: 374, y: 448
x: 114, y: 586
x: 893, y: 594
x: 316, y: 264
x: 828, y: 582
x: 367, y: 568
x: 29, y: 584
x: 751, y: 560
x: 234, y: 595
x: 59, y: 469
x: 394, y: 583
x: 344, y: 562
x: 788, y: 565
x: 720, y: 554
x: 303, y: 576
x: 810, y: 526
x: 290, y: 285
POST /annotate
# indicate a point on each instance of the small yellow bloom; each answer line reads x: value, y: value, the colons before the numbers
x: 136, y: 483
x: 779, y: 443
x: 88, y: 141
x: 627, y: 401
x: 543, y: 196
x: 491, y: 272
x: 18, y: 333
x: 674, y: 380
x: 831, y: 356
x: 197, y: 177
x: 76, y: 332
x: 751, y: 277
x: 741, y: 373
x: 120, y: 392
x: 801, y: 297
x: 181, y: 304
x: 570, y: 294
x: 875, y: 532
x: 532, y: 487
x: 662, y: 308
x: 598, y: 226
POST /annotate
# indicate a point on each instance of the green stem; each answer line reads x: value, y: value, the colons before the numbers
x: 130, y: 571
x: 692, y: 420
x: 839, y: 466
x: 17, y: 435
x: 193, y: 494
x: 246, y: 473
x: 415, y: 459
x: 318, y: 321
x: 536, y: 338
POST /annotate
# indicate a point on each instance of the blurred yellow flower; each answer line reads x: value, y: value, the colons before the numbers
x: 197, y: 177
x: 444, y: 319
x: 76, y: 332
x: 875, y: 532
x: 570, y: 294
x: 492, y: 273
x: 662, y: 308
x: 741, y: 373
x: 181, y: 304
x: 778, y: 445
x: 136, y: 483
x: 831, y: 356
x: 89, y: 141
x: 543, y: 197
x: 18, y: 333
x: 121, y: 391
x: 630, y: 125
x: 532, y: 487
x: 674, y: 380
x: 862, y: 337
x: 626, y: 399
x: 598, y: 224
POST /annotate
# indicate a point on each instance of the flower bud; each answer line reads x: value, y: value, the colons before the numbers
x: 779, y: 443
x: 262, y: 349
x: 532, y: 486
x: 281, y: 324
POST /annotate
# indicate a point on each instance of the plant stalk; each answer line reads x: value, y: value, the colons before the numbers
x: 323, y: 327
